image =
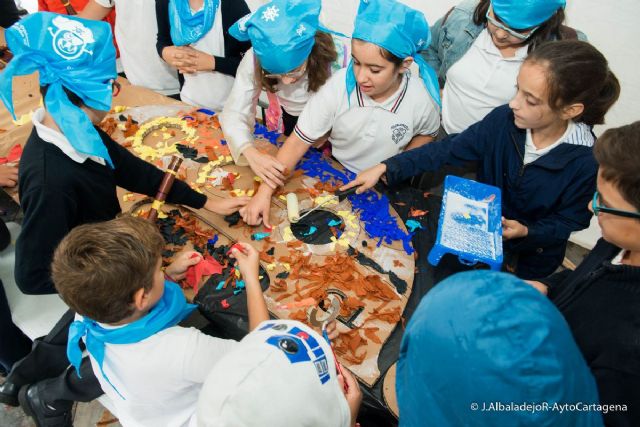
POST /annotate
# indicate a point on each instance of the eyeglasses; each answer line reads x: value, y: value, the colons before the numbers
x: 519, y: 35
x: 295, y: 74
x: 116, y: 88
x: 597, y: 208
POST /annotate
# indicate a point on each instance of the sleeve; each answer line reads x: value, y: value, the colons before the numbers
x: 106, y: 3
x: 571, y: 213
x: 232, y: 11
x: 470, y: 145
x: 201, y: 353
x: 164, y: 27
x: 432, y: 54
x: 555, y: 280
x: 41, y: 232
x: 238, y: 117
x: 136, y: 175
x: 319, y: 113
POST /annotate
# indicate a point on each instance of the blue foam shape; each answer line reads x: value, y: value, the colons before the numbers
x: 470, y: 224
x: 206, y: 111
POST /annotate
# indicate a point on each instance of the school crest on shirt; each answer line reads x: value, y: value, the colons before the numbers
x: 70, y: 38
x: 398, y: 131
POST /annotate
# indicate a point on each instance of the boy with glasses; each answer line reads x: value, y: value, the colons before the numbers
x: 600, y: 300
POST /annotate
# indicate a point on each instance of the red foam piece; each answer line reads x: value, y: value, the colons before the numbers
x: 14, y: 154
x: 206, y: 267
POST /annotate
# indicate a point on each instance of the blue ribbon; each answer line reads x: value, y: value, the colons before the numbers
x: 188, y: 27
x: 171, y: 309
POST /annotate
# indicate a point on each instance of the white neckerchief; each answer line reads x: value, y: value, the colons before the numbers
x: 59, y: 140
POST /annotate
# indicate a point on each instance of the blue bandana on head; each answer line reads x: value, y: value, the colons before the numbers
x: 171, y: 309
x: 401, y: 30
x: 188, y: 27
x: 69, y: 52
x: 523, y: 14
x: 282, y: 33
x: 482, y: 337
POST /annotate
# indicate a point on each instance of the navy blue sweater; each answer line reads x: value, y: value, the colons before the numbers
x: 549, y: 195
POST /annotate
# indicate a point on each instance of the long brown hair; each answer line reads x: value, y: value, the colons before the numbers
x: 577, y: 73
x: 551, y: 29
x: 319, y: 62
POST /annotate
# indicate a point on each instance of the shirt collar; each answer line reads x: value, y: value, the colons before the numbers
x: 392, y: 103
x: 59, y: 140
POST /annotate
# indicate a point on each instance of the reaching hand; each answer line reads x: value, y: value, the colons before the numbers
x: 267, y: 167
x: 512, y: 229
x: 8, y: 175
x: 353, y: 393
x: 226, y: 206
x: 257, y: 210
x: 177, y: 270
x: 366, y: 179
x: 248, y: 260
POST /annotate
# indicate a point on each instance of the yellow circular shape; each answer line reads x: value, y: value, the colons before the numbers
x: 151, y: 153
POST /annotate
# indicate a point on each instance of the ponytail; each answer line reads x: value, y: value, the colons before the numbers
x: 578, y: 73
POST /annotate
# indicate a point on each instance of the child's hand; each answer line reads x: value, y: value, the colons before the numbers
x: 538, y: 285
x: 181, y: 262
x: 258, y: 209
x: 366, y: 179
x: 248, y: 260
x: 226, y: 206
x: 332, y: 330
x: 353, y: 393
x: 8, y: 175
x: 512, y: 229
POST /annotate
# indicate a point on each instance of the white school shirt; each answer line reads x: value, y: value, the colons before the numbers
x: 160, y: 377
x: 576, y: 134
x: 363, y: 132
x: 208, y: 89
x: 479, y: 82
x: 59, y: 140
x: 239, y: 115
x: 136, y: 32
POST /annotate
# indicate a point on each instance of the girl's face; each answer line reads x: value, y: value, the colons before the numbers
x: 377, y: 77
x: 530, y: 105
x: 502, y: 36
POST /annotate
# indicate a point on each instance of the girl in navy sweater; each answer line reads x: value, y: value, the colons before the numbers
x: 537, y: 150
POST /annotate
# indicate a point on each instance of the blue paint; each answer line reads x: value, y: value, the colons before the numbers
x: 223, y: 142
x: 212, y: 241
x: 240, y: 284
x: 206, y: 111
x: 259, y: 236
x: 220, y: 285
x: 312, y: 230
x: 413, y: 225
x: 334, y: 222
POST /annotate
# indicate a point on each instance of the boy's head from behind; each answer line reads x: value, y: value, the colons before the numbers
x: 110, y: 271
x: 618, y: 154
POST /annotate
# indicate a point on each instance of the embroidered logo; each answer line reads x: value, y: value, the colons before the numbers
x: 242, y: 23
x: 421, y: 42
x: 23, y: 32
x: 270, y: 14
x: 300, y: 30
x: 70, y: 38
x: 398, y: 131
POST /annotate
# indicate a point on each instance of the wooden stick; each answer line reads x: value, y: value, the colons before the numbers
x: 165, y: 187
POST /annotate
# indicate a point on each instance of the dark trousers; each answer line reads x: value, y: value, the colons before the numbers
x: 288, y: 122
x: 14, y: 344
x: 48, y: 365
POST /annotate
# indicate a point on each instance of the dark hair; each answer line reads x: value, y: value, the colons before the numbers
x: 97, y: 268
x: 551, y: 29
x: 319, y: 62
x: 578, y: 73
x: 75, y: 99
x: 395, y: 60
x: 618, y: 154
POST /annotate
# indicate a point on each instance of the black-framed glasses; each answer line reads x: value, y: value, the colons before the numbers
x: 597, y: 208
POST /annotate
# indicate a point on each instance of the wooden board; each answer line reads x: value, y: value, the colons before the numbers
x: 371, y: 307
x: 389, y: 390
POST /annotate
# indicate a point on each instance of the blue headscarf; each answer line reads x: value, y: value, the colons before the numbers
x: 282, y: 33
x: 522, y: 14
x: 483, y: 337
x: 187, y: 27
x: 77, y: 54
x: 171, y: 309
x: 401, y: 30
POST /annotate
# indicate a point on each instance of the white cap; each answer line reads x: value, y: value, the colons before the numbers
x: 282, y: 374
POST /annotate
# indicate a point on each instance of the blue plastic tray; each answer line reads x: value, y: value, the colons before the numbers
x: 470, y: 224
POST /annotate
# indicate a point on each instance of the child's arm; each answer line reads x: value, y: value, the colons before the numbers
x: 249, y: 264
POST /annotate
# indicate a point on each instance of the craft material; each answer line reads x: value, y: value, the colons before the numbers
x: 470, y: 223
x: 330, y: 313
x: 339, y: 195
x: 293, y: 210
x: 165, y: 187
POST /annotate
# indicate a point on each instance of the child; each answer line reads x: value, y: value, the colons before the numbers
x: 193, y: 37
x: 537, y: 150
x: 281, y: 374
x: 479, y: 47
x: 600, y: 300
x: 292, y: 57
x: 110, y: 273
x: 482, y: 339
x: 69, y: 169
x: 381, y: 111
